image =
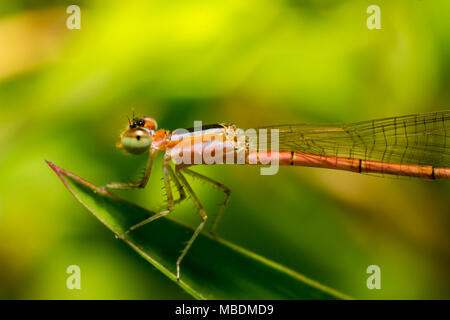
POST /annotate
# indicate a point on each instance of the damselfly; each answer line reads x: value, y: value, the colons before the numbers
x: 414, y: 145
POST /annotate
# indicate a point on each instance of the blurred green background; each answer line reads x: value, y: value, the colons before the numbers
x: 65, y: 95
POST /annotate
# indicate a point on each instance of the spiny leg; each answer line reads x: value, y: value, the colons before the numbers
x: 219, y: 186
x: 136, y: 184
x: 170, y: 201
x: 181, y: 192
x: 178, y: 185
x: 201, y: 211
x: 167, y: 185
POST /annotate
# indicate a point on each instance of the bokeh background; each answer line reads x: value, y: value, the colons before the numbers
x: 65, y: 95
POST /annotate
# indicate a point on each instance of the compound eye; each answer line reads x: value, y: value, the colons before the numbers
x: 136, y: 141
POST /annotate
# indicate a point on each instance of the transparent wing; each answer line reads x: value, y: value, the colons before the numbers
x: 421, y: 139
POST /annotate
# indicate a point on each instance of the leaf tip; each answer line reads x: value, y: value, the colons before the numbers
x: 51, y: 165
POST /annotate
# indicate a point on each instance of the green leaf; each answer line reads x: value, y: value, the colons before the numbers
x: 212, y: 269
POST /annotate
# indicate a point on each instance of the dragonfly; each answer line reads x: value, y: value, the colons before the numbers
x: 412, y: 146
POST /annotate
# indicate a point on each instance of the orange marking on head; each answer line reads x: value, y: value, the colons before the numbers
x: 150, y: 123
